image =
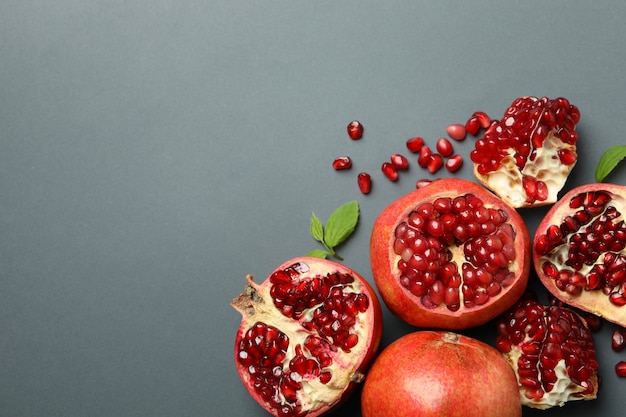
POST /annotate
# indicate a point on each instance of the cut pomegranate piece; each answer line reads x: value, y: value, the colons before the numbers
x: 449, y: 255
x: 307, y: 334
x: 527, y: 156
x: 342, y: 162
x: 552, y: 352
x: 579, y: 250
x: 355, y: 130
x: 364, y: 181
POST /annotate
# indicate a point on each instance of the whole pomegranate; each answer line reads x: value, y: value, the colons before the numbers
x: 552, y: 352
x: 307, y: 334
x: 579, y: 250
x: 449, y: 255
x: 527, y: 156
x: 440, y: 374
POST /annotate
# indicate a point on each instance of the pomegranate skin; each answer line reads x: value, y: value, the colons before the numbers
x: 347, y: 366
x: 407, y: 306
x: 592, y: 301
x: 440, y: 374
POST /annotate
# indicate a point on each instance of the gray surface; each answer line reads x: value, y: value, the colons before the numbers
x: 152, y: 153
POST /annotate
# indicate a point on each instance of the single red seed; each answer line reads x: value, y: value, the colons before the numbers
x: 399, y: 161
x: 435, y: 162
x: 365, y: 182
x: 415, y: 144
x: 422, y: 183
x: 456, y: 131
x: 424, y: 156
x: 342, y: 162
x: 620, y: 368
x: 618, y: 340
x: 390, y: 171
x: 355, y: 130
x: 454, y: 163
x: 444, y: 147
x: 567, y: 157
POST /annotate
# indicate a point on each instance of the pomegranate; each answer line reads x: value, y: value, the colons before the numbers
x: 342, y: 162
x: 364, y: 180
x: 449, y: 255
x: 307, y: 334
x: 355, y: 130
x: 579, y: 250
x: 456, y: 131
x: 552, y: 352
x: 435, y: 373
x: 527, y: 156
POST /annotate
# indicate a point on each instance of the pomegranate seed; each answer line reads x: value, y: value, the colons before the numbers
x: 415, y: 144
x: 424, y: 156
x: 454, y: 163
x: 390, y: 171
x: 365, y: 182
x: 618, y: 341
x: 343, y: 162
x: 355, y: 130
x: 476, y: 121
x: 422, y: 183
x: 620, y: 368
x: 567, y: 157
x: 399, y: 161
x: 444, y: 147
x: 456, y: 131
x: 435, y: 162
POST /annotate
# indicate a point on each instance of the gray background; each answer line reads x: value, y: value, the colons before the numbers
x: 152, y: 153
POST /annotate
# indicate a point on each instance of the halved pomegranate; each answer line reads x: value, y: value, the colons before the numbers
x: 307, y: 334
x: 435, y: 374
x: 527, y: 156
x: 449, y: 255
x: 552, y: 352
x: 579, y: 250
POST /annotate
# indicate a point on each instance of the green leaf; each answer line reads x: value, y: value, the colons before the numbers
x: 317, y: 229
x: 608, y: 161
x: 341, y: 224
x: 318, y: 253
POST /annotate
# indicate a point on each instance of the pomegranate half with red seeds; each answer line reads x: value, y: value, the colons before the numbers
x: 449, y: 255
x: 307, y: 334
x: 552, y: 352
x: 435, y: 374
x: 579, y: 250
x: 527, y: 156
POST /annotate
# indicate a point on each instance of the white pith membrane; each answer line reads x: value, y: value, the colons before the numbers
x: 559, y: 254
x: 313, y: 394
x: 506, y: 181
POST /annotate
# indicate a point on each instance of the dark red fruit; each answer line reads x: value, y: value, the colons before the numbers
x: 435, y: 162
x: 414, y: 144
x: 399, y: 161
x: 355, y: 130
x: 618, y: 340
x: 444, y: 147
x: 342, y: 162
x: 454, y: 163
x: 424, y: 156
x: 390, y: 171
x: 477, y: 121
x: 620, y: 369
x: 364, y: 181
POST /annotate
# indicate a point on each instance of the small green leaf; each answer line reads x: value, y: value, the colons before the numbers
x: 608, y: 161
x: 318, y: 253
x: 341, y: 224
x: 317, y: 229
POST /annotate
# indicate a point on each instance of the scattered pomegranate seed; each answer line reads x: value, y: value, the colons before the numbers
x: 618, y: 340
x: 424, y: 156
x: 390, y: 171
x: 422, y: 183
x: 415, y: 144
x: 454, y: 163
x: 444, y: 147
x: 342, y: 162
x: 620, y: 368
x: 594, y: 322
x: 399, y: 161
x: 435, y: 162
x: 365, y: 182
x: 355, y: 130
x: 456, y: 131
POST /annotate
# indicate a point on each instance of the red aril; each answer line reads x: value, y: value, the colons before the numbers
x: 449, y: 255
x: 456, y: 131
x: 620, y: 369
x: 434, y: 164
x: 434, y: 374
x: 364, y: 180
x: 355, y: 130
x: 307, y: 334
x: 424, y: 156
x: 579, y: 250
x: 527, y: 156
x: 477, y: 121
x: 399, y: 161
x: 342, y: 162
x: 444, y: 147
x: 454, y: 163
x: 390, y: 171
x: 618, y: 340
x: 552, y: 352
x: 415, y: 144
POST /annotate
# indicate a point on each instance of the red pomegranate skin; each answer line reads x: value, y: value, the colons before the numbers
x: 440, y: 374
